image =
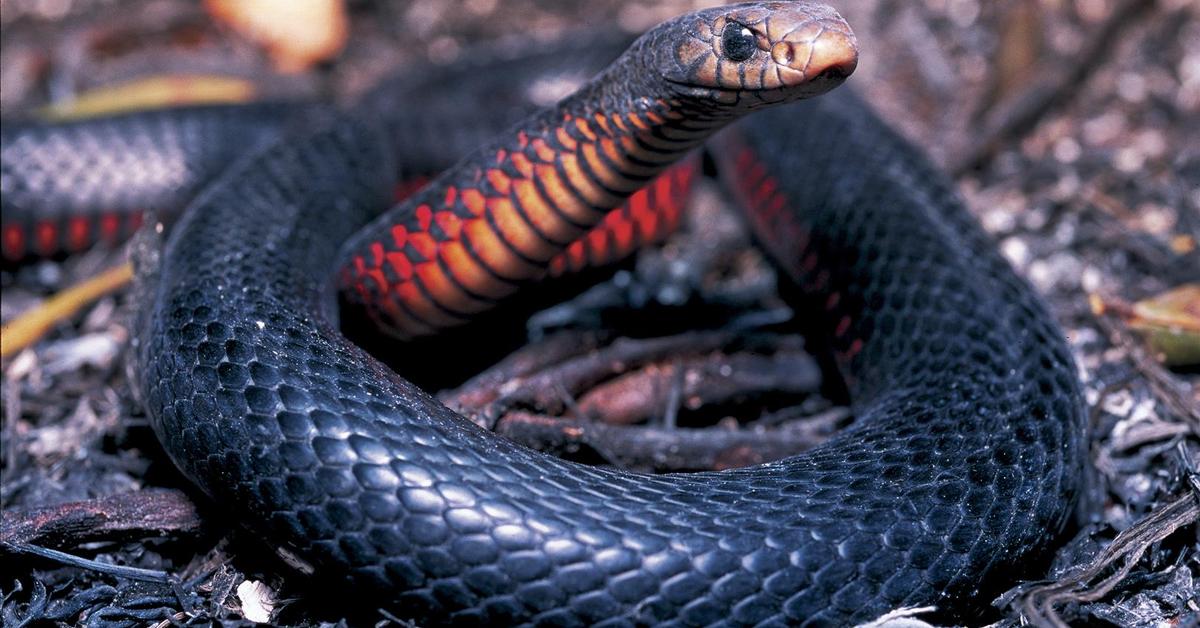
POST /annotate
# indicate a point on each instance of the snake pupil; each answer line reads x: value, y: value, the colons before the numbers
x: 738, y: 42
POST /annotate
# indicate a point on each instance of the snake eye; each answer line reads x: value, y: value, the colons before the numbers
x: 738, y: 42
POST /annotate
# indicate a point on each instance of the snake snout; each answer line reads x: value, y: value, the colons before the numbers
x: 816, y: 53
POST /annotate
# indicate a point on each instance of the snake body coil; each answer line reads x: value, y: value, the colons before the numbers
x: 965, y: 459
x: 65, y: 186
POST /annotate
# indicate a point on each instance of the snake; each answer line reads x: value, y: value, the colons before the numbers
x: 961, y: 469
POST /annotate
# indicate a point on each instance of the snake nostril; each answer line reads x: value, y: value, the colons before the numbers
x: 783, y: 53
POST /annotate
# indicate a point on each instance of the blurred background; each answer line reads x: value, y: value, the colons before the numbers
x: 940, y: 67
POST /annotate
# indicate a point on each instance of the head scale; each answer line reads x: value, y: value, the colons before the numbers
x: 753, y: 54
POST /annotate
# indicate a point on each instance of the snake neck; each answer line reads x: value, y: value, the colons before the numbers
x: 498, y: 217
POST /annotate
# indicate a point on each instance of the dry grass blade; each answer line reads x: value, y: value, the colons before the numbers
x: 27, y: 328
x: 1039, y: 603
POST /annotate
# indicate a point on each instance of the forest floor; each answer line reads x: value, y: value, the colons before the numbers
x: 1072, y: 128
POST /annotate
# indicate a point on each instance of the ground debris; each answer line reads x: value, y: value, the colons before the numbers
x: 1093, y: 191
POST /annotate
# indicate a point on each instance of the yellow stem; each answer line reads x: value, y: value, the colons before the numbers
x: 27, y: 328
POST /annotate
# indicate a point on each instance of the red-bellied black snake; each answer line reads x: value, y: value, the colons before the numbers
x: 963, y: 463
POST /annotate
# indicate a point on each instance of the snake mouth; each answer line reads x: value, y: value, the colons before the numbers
x: 814, y: 84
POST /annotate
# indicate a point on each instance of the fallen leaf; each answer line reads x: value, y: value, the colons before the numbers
x: 296, y: 34
x: 1170, y: 322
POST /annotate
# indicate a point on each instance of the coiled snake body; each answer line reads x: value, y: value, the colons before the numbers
x: 964, y: 461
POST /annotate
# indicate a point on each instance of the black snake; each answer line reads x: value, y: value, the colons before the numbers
x: 963, y: 463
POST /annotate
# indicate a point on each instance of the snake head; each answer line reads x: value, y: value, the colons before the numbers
x: 753, y: 54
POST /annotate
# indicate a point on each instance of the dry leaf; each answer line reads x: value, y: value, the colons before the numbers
x: 1170, y: 322
x: 297, y: 34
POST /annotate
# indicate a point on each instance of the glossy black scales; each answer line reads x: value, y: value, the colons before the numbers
x: 964, y: 463
x: 143, y: 161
